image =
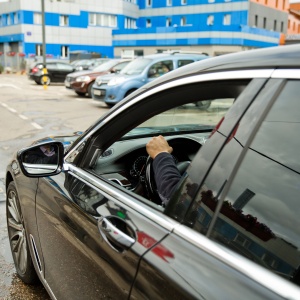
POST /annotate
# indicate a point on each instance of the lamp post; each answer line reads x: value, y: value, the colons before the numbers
x: 44, y: 45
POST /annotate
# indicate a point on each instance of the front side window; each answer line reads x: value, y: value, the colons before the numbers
x: 259, y: 218
x: 160, y: 68
x: 185, y: 115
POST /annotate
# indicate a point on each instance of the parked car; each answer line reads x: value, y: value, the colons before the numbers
x: 140, y: 71
x: 92, y: 225
x: 87, y: 64
x: 56, y: 72
x: 82, y: 82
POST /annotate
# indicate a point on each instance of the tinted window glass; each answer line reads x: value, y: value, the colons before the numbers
x: 184, y: 62
x: 260, y: 215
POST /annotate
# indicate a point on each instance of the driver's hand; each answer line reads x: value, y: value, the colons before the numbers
x: 157, y: 145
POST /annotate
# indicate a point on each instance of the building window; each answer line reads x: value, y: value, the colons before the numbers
x: 183, y: 21
x: 211, y: 1
x: 8, y: 20
x: 38, y: 50
x: 37, y: 18
x: 289, y: 24
x: 169, y: 2
x: 256, y: 20
x: 148, y: 23
x: 130, y: 23
x: 227, y: 20
x: 104, y: 20
x: 298, y: 28
x: 282, y: 27
x: 275, y: 25
x: 276, y: 5
x: 294, y: 26
x: 64, y: 51
x: 92, y: 19
x: 283, y: 4
x: 16, y: 18
x: 0, y: 20
x: 64, y: 20
x: 148, y: 3
x: 210, y: 20
x: 169, y: 22
x: 183, y: 2
x: 265, y: 23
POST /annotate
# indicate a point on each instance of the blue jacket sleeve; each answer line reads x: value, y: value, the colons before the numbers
x: 166, y: 175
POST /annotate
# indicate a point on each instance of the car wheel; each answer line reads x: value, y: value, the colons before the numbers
x: 37, y: 82
x: 17, y: 237
x: 89, y: 91
x: 203, y: 105
x: 80, y: 93
x: 48, y: 80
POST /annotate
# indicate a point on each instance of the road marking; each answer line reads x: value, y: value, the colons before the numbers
x: 23, y: 117
x: 10, y: 85
x: 11, y: 109
x: 36, y: 125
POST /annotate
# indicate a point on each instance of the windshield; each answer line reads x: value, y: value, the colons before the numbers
x: 105, y: 66
x: 202, y: 116
x: 137, y: 66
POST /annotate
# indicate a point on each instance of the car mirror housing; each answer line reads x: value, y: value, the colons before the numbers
x: 45, y: 159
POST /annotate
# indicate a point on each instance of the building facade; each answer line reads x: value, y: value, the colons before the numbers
x: 141, y: 27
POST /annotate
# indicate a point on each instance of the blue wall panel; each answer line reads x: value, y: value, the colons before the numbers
x: 12, y: 38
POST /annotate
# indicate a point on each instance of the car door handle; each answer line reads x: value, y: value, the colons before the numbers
x: 117, y: 239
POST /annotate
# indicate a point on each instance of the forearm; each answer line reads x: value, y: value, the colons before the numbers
x: 166, y: 175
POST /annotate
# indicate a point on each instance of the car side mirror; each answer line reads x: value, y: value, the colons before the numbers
x: 45, y: 159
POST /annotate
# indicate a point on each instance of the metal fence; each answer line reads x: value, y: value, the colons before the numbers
x: 13, y: 62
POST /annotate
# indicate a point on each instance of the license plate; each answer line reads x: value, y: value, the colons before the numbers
x: 67, y: 84
x: 97, y: 92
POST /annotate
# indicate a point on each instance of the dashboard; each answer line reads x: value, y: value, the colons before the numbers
x: 124, y: 162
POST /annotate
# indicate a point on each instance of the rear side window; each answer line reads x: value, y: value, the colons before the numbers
x: 183, y: 62
x: 259, y: 218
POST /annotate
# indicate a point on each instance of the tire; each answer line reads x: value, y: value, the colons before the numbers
x: 47, y: 82
x: 89, y: 90
x: 203, y: 105
x: 17, y: 237
x: 37, y: 82
x: 80, y: 94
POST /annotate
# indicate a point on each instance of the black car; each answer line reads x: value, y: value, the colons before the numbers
x: 56, y: 72
x: 92, y: 225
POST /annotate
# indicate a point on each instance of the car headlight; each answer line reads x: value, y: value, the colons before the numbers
x: 116, y: 81
x: 83, y: 78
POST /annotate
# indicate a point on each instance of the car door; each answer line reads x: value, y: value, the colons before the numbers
x: 91, y: 242
x: 244, y: 201
x: 93, y: 228
x: 62, y: 71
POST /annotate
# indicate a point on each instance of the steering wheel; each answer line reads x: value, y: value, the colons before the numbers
x: 150, y: 180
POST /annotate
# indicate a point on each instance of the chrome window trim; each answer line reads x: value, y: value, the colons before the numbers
x: 222, y: 75
x: 286, y: 73
x: 114, y: 194
x: 254, y: 271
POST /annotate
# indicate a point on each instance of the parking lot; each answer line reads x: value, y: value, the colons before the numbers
x: 29, y: 112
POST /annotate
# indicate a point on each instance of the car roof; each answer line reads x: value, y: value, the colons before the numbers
x: 273, y: 57
x: 175, y: 55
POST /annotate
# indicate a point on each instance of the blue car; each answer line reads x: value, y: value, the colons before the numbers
x: 112, y: 89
